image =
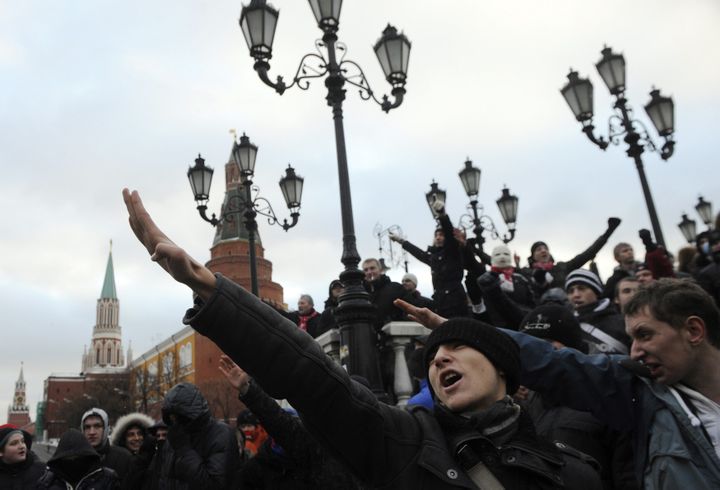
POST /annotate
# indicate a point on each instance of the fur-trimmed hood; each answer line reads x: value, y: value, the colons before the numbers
x: 123, y: 423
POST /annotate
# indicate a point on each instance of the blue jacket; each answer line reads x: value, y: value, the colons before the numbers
x: 670, y: 453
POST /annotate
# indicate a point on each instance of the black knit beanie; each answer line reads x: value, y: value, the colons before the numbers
x: 535, y: 246
x: 499, y: 348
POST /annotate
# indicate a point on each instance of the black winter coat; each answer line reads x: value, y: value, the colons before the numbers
x: 560, y: 270
x: 446, y: 267
x: 201, y: 454
x: 604, y: 316
x: 387, y: 446
x: 21, y: 476
x: 582, y: 431
x: 382, y: 294
x: 117, y: 459
x: 709, y: 279
x: 76, y: 461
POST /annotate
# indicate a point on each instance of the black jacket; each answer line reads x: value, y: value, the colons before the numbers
x: 386, y: 446
x: 560, y: 270
x: 117, y: 459
x: 582, y: 431
x: 709, y: 279
x: 604, y: 316
x: 21, y: 476
x: 383, y: 292
x: 446, y: 267
x: 200, y: 453
x: 77, y: 464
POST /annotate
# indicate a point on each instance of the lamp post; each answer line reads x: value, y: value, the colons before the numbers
x: 507, y: 204
x: 688, y: 226
x: 578, y: 93
x: 258, y: 20
x: 244, y: 154
x: 481, y: 222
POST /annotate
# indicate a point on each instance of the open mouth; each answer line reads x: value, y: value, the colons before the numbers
x: 449, y: 378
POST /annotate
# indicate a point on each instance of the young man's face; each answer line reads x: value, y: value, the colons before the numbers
x: 541, y: 255
x: 408, y: 285
x: 133, y: 439
x: 663, y: 349
x: 439, y: 238
x: 644, y: 276
x: 372, y: 270
x: 15, y: 450
x: 161, y: 433
x: 93, y: 428
x: 581, y: 295
x: 625, y: 255
x: 463, y: 379
x: 625, y: 291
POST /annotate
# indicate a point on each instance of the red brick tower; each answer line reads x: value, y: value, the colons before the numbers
x: 19, y: 412
x: 230, y: 253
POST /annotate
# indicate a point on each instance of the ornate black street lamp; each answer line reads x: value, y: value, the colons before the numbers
x: 397, y: 255
x: 244, y: 155
x: 481, y: 222
x: 258, y: 21
x: 704, y: 209
x: 507, y: 204
x: 578, y: 93
x: 688, y: 227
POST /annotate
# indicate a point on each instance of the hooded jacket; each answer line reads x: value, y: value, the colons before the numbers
x: 125, y: 422
x: 76, y: 466
x: 23, y: 475
x: 386, y: 446
x: 200, y: 453
x: 116, y: 458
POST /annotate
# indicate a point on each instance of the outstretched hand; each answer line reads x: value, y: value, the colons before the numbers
x: 423, y: 316
x: 172, y: 258
x: 238, y: 379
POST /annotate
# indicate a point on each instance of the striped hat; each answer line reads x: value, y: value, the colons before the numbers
x: 588, y: 278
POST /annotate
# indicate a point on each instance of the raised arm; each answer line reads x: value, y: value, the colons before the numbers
x: 579, y: 260
x: 176, y: 262
x: 288, y: 363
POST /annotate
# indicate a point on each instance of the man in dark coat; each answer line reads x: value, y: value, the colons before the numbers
x: 327, y: 317
x: 477, y: 436
x: 603, y: 326
x: 412, y: 295
x: 200, y: 452
x: 20, y: 468
x: 382, y: 292
x: 545, y: 273
x: 77, y: 465
x: 95, y: 426
x: 446, y: 266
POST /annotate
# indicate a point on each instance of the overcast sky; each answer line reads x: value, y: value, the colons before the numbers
x: 99, y: 95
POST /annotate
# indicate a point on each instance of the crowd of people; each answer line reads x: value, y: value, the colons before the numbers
x: 541, y: 376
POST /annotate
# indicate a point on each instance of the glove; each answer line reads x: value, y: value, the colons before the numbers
x: 395, y: 238
x: 613, y: 223
x: 438, y: 206
x: 488, y: 281
x: 539, y: 276
x: 178, y: 437
x: 647, y: 240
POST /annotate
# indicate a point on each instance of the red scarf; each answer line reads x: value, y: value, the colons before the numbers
x: 546, y: 266
x: 304, y: 319
x: 505, y: 271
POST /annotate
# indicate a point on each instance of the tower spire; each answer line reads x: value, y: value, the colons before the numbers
x: 108, y: 289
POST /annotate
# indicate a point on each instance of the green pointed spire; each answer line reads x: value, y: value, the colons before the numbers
x: 108, y: 289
